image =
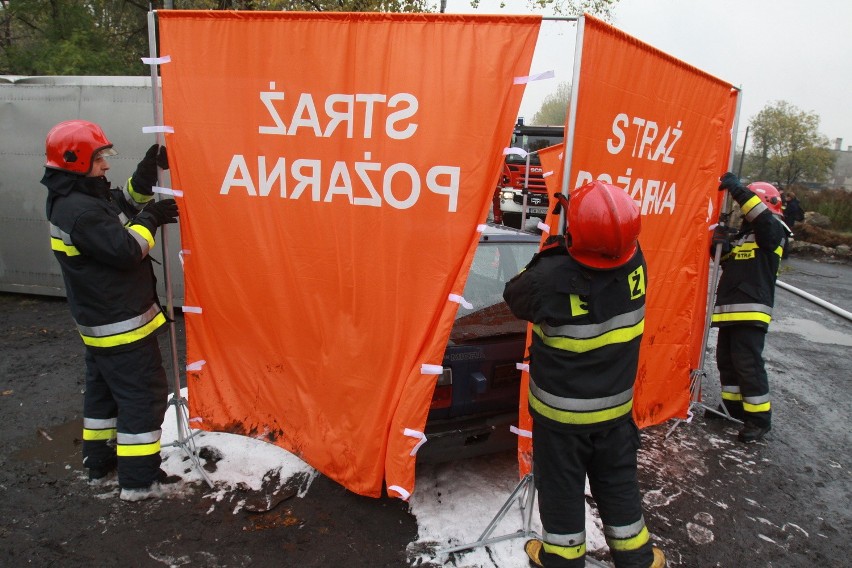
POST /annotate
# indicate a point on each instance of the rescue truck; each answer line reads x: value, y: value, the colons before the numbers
x: 522, y: 175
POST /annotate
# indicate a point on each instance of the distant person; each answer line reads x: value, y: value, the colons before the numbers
x: 745, y: 297
x: 792, y: 210
x: 585, y: 295
x: 102, y: 238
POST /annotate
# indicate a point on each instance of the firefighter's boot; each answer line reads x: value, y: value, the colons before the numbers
x: 753, y: 433
x: 659, y: 559
x: 533, y: 549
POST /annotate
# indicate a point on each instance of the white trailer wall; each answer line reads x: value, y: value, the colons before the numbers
x: 29, y: 107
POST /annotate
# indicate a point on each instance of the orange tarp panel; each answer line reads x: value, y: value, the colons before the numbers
x: 335, y: 168
x: 661, y: 130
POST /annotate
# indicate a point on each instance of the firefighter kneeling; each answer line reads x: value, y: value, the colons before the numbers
x: 585, y: 295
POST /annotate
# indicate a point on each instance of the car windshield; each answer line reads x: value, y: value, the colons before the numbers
x: 531, y: 143
x: 493, y: 265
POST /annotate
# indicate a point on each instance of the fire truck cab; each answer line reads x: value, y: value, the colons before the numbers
x: 518, y: 180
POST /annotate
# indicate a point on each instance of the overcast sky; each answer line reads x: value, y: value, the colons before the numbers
x: 791, y: 50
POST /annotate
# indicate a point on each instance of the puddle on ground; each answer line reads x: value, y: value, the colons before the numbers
x: 812, y: 331
x: 59, y: 450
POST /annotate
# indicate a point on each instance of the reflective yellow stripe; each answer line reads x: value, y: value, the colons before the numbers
x: 732, y: 396
x: 137, y: 197
x: 567, y: 417
x: 143, y: 231
x: 584, y: 345
x: 59, y: 246
x: 138, y: 449
x: 633, y: 543
x: 779, y: 251
x: 752, y: 208
x: 567, y: 552
x: 764, y: 407
x: 127, y: 337
x: 95, y: 435
x: 743, y: 316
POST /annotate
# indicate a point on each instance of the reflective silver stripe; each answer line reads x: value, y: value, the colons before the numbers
x: 756, y: 208
x: 580, y: 404
x: 736, y: 308
x: 58, y: 233
x: 756, y: 399
x: 121, y: 326
x: 594, y: 329
x: 143, y: 438
x: 99, y: 423
x: 133, y: 196
x: 143, y: 242
x: 575, y: 539
x: 731, y: 389
x: 123, y: 218
x: 626, y: 531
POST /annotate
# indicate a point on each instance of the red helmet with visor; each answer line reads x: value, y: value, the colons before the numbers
x: 769, y: 194
x: 603, y: 225
x: 74, y: 145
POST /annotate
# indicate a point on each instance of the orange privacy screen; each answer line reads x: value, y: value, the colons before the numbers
x: 335, y: 168
x: 661, y: 130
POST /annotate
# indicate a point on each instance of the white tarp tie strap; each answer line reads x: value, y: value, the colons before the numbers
x: 460, y: 300
x: 537, y: 77
x: 415, y: 434
x: 522, y: 367
x: 167, y: 191
x: 519, y: 432
x: 196, y: 419
x: 196, y: 366
x: 514, y: 150
x: 156, y: 129
x: 191, y: 310
x: 543, y: 227
x: 157, y: 60
x: 481, y: 228
x: 427, y: 369
x: 181, y: 254
x: 547, y: 174
x: 404, y: 495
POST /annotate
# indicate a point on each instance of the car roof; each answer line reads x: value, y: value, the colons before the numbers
x: 501, y: 233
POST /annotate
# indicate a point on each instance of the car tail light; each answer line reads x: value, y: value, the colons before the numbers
x: 443, y: 396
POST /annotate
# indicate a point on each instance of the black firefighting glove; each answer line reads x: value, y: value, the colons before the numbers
x: 145, y: 176
x: 722, y: 236
x: 729, y: 182
x: 158, y: 213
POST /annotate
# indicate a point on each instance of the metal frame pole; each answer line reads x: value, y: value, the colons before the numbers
x: 184, y: 437
x: 696, y: 375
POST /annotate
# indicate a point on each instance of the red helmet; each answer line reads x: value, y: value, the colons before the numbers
x: 769, y: 194
x: 603, y: 225
x: 73, y: 145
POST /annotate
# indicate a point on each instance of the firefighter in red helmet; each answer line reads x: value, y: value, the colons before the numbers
x: 585, y: 296
x: 745, y: 297
x: 102, y: 238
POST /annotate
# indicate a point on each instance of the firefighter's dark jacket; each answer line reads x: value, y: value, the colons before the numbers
x: 746, y: 291
x: 103, y: 253
x: 587, y: 327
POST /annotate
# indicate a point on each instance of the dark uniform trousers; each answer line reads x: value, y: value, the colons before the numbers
x: 739, y: 357
x: 129, y: 385
x: 561, y: 461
